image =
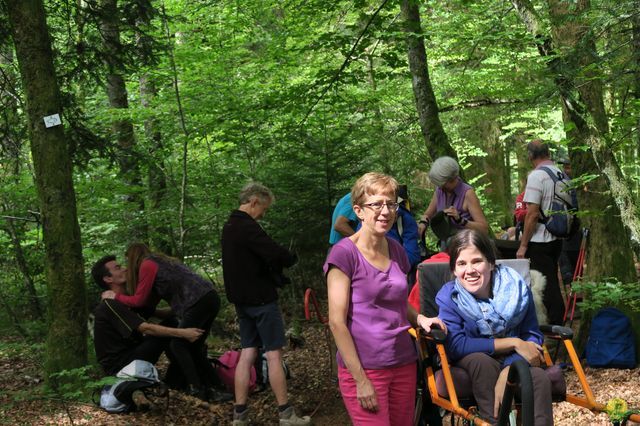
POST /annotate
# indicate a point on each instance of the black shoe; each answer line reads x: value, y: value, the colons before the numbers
x: 214, y: 395
x: 198, y: 392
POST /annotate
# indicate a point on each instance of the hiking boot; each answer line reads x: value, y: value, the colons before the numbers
x: 197, y: 392
x: 241, y: 419
x: 289, y: 417
x: 214, y: 395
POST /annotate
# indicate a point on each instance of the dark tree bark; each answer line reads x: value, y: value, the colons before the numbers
x: 435, y: 137
x: 123, y: 129
x: 66, y: 346
x: 607, y: 198
x: 610, y: 250
x: 610, y: 241
x: 635, y: 27
x: 497, y: 171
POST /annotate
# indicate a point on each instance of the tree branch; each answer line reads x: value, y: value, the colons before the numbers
x: 344, y: 64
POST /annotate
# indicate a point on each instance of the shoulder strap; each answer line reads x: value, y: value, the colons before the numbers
x: 556, y: 177
x: 543, y: 217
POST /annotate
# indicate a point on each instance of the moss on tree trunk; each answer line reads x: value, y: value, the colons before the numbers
x: 66, y: 346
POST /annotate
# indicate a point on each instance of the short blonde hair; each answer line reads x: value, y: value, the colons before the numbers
x: 372, y: 183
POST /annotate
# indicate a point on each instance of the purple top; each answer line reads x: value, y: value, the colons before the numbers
x: 377, y: 315
x: 456, y: 199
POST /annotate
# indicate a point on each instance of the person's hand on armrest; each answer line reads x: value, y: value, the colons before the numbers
x: 427, y: 323
x: 530, y: 351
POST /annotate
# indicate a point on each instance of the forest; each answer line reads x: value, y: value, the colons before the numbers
x: 140, y: 120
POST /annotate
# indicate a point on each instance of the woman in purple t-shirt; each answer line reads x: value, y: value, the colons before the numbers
x: 368, y: 311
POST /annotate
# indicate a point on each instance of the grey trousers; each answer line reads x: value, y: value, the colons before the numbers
x: 484, y: 371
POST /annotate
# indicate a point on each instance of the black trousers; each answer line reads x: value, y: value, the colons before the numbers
x: 192, y: 357
x: 544, y: 258
x: 150, y: 349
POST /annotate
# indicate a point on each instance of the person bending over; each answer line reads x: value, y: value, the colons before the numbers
x: 193, y: 300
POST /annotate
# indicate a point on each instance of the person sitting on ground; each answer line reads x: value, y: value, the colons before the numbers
x: 491, y: 322
x: 343, y: 220
x: 121, y: 335
x: 455, y: 198
x: 368, y: 311
x: 193, y: 300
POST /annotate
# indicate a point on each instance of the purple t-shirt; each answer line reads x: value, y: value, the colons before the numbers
x: 377, y: 315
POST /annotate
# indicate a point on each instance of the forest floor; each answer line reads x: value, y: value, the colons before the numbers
x: 311, y: 387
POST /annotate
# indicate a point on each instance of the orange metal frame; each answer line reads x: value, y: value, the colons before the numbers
x: 451, y: 404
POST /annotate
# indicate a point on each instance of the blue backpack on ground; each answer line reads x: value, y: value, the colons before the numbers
x: 561, y: 220
x: 611, y: 343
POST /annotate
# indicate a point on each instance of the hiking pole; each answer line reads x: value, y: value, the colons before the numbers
x: 572, y: 297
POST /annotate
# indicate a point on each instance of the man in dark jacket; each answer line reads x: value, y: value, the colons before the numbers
x: 252, y: 267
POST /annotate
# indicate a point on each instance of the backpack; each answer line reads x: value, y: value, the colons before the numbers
x: 262, y: 371
x: 561, y: 220
x: 138, y: 374
x: 611, y: 343
x: 225, y: 367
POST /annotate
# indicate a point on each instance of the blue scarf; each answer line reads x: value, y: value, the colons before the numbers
x: 500, y: 315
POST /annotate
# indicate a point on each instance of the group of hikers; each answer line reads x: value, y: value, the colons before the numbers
x: 487, y: 311
x: 252, y: 268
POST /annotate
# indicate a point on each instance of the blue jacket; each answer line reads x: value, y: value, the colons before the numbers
x: 463, y: 337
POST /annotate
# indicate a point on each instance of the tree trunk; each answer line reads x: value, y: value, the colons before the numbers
x: 66, y: 346
x: 122, y: 128
x: 11, y: 313
x: 185, y: 143
x: 610, y: 241
x: 436, y: 140
x: 159, y: 232
x: 523, y: 163
x: 609, y: 250
x: 497, y: 172
x: 635, y: 27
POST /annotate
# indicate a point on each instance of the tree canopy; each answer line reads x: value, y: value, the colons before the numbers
x: 169, y: 107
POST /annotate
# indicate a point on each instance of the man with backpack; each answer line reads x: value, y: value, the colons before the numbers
x: 537, y: 243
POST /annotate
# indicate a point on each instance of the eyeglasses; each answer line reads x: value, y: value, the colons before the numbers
x: 377, y: 206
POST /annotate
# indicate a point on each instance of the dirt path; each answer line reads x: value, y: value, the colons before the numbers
x: 312, y: 390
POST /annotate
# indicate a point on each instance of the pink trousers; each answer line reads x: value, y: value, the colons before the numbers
x: 396, y: 391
